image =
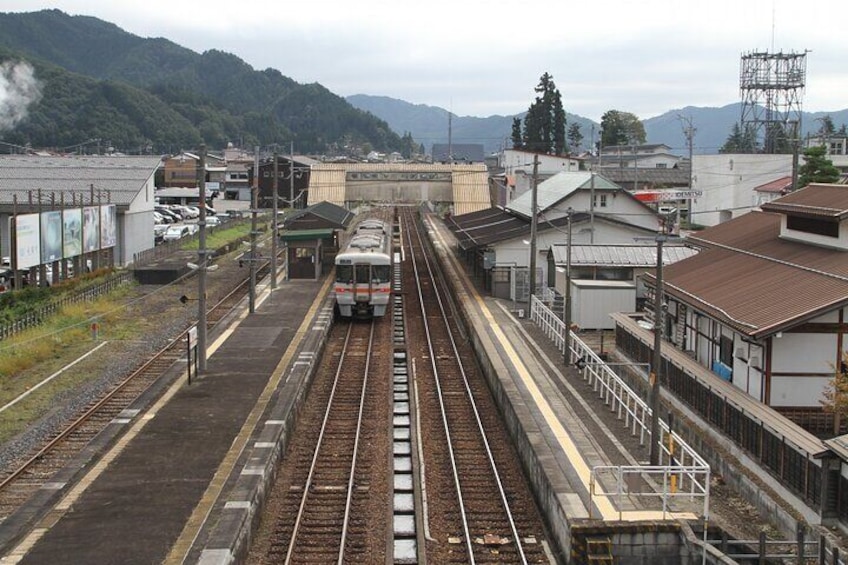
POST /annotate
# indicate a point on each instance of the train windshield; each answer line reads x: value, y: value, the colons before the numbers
x: 363, y: 274
x: 344, y: 273
x: 381, y: 273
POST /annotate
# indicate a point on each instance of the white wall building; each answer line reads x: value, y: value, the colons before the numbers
x: 727, y: 182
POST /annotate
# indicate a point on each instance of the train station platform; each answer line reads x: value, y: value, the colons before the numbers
x: 158, y: 492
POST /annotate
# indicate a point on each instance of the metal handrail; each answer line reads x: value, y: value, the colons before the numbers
x: 680, y: 458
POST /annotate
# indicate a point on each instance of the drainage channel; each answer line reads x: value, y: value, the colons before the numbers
x: 405, y: 544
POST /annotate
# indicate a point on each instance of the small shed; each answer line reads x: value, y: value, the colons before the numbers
x: 593, y: 301
x: 305, y: 252
x: 311, y: 237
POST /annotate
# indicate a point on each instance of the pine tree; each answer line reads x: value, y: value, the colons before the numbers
x: 817, y: 167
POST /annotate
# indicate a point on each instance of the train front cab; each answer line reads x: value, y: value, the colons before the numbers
x: 363, y: 289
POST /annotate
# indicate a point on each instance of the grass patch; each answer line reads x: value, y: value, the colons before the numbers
x: 34, y: 355
x: 221, y: 237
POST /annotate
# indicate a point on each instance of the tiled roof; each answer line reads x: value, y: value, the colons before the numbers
x: 778, y: 186
x: 478, y: 229
x: 651, y: 176
x: 756, y: 282
x: 819, y: 200
x: 632, y: 255
x: 328, y: 211
x: 121, y: 177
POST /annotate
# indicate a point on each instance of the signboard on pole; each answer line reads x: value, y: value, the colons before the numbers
x: 27, y: 240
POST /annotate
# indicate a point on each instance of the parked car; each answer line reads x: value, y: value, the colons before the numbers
x: 186, y: 212
x: 168, y: 213
x: 174, y: 232
x: 213, y: 221
x: 159, y: 232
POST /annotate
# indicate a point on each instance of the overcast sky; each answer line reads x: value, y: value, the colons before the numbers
x: 484, y: 57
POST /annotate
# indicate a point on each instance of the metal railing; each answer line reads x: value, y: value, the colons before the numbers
x: 678, y: 460
x: 36, y: 317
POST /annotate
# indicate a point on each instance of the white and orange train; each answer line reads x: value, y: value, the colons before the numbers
x: 364, y: 271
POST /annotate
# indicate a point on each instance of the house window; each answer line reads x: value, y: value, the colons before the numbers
x: 600, y: 200
x: 662, y: 165
x: 726, y: 350
x: 809, y: 225
x: 500, y: 275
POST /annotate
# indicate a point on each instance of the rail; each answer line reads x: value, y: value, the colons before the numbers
x: 427, y: 271
x: 677, y: 460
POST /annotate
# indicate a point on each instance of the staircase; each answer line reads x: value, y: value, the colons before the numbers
x: 599, y: 550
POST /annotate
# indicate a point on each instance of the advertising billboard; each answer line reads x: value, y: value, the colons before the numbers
x: 91, y: 228
x: 51, y: 236
x: 72, y: 232
x: 27, y: 240
x: 108, y: 226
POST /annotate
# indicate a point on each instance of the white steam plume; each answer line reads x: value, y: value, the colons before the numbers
x: 18, y: 89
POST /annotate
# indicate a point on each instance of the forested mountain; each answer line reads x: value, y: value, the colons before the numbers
x: 151, y: 95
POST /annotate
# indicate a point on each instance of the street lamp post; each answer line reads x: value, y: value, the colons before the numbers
x: 201, y: 257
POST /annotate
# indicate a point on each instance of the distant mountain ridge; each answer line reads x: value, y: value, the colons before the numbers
x: 429, y: 124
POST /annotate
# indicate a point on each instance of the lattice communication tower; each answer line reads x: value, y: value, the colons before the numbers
x: 772, y: 86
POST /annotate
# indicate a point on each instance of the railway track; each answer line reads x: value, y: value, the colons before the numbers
x: 20, y: 483
x: 332, y: 492
x: 438, y: 482
x: 483, y: 511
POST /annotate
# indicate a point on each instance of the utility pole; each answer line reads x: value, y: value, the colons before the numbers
x: 291, y: 176
x: 689, y: 132
x: 201, y: 257
x: 657, y: 357
x: 592, y: 208
x: 274, y: 224
x: 533, y: 207
x: 254, y: 197
x: 795, y: 143
x: 567, y: 319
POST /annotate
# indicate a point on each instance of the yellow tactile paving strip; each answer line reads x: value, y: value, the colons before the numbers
x: 603, y: 504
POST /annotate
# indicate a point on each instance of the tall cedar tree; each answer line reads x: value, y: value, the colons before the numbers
x: 545, y: 123
x: 575, y: 137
